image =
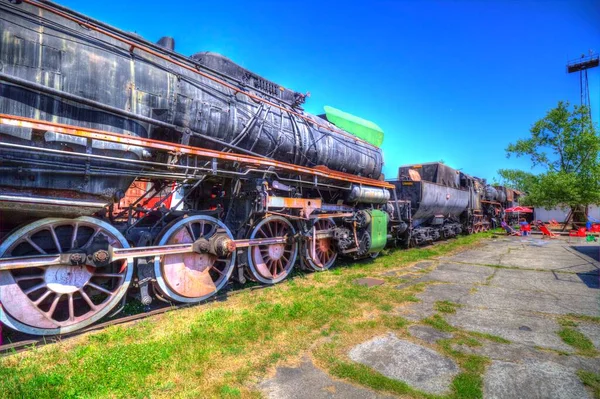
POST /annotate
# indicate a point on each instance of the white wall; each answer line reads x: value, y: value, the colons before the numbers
x: 560, y: 215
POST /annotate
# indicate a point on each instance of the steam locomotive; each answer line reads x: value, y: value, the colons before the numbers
x: 127, y: 164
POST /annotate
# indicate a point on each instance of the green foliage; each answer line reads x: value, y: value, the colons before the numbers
x: 438, y: 322
x: 467, y: 386
x: 592, y: 380
x: 578, y: 341
x: 446, y: 306
x: 566, y: 145
x: 584, y: 317
x: 490, y: 337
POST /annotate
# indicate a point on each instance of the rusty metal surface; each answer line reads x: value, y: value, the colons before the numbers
x: 192, y: 277
x: 270, y: 264
x: 306, y: 205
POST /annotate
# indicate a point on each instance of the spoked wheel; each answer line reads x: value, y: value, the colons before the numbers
x: 319, y: 254
x: 192, y: 277
x: 58, y: 299
x: 270, y: 264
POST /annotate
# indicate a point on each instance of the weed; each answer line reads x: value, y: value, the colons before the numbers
x: 385, y: 307
x: 591, y: 380
x: 467, y: 386
x: 446, y: 306
x: 584, y: 317
x: 438, y: 322
x: 578, y: 341
x: 489, y: 337
x: 394, y: 322
x: 566, y: 322
x: 365, y: 376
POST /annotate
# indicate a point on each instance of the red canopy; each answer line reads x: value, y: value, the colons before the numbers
x: 519, y: 209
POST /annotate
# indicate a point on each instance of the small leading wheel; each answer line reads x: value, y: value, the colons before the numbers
x: 58, y: 299
x: 192, y: 277
x: 272, y: 263
x: 319, y: 254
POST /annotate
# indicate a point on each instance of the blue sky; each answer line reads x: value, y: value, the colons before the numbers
x: 453, y: 80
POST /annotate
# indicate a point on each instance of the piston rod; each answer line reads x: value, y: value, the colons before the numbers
x: 115, y: 254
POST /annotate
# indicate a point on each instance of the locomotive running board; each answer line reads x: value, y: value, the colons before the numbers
x: 179, y: 149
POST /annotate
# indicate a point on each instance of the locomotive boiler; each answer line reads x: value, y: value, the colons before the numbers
x: 58, y: 70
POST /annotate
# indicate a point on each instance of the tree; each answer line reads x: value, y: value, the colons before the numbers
x: 566, y: 145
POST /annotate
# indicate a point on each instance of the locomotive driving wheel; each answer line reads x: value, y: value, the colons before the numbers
x: 319, y: 254
x: 57, y: 299
x: 192, y: 277
x: 271, y: 263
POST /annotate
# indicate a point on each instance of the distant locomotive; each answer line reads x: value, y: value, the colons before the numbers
x: 445, y: 202
x: 125, y: 163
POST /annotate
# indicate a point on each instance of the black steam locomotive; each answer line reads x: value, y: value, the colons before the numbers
x: 445, y: 202
x: 125, y: 163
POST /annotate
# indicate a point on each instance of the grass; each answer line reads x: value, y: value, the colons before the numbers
x: 583, y: 317
x: 366, y: 376
x: 591, y: 380
x: 578, y: 341
x: 446, y: 306
x: 490, y: 337
x: 567, y: 322
x: 223, y: 349
x: 467, y: 386
x: 438, y: 322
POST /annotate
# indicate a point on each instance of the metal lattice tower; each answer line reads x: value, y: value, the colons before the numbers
x: 582, y: 65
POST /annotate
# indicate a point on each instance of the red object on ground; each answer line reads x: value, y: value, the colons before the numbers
x: 545, y: 231
x: 577, y: 233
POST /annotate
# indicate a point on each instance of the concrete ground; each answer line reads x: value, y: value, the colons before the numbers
x: 516, y: 288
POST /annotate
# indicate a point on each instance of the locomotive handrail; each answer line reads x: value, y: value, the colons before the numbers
x: 96, y: 134
x: 133, y: 45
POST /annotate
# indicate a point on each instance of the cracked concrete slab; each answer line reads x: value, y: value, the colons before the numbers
x: 418, y: 366
x: 592, y: 331
x: 458, y: 274
x: 558, y: 283
x: 541, y: 331
x: 307, y: 381
x: 428, y: 334
x: 532, y: 380
x: 456, y: 293
x: 521, y: 300
x: 518, y: 353
x: 503, y: 298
